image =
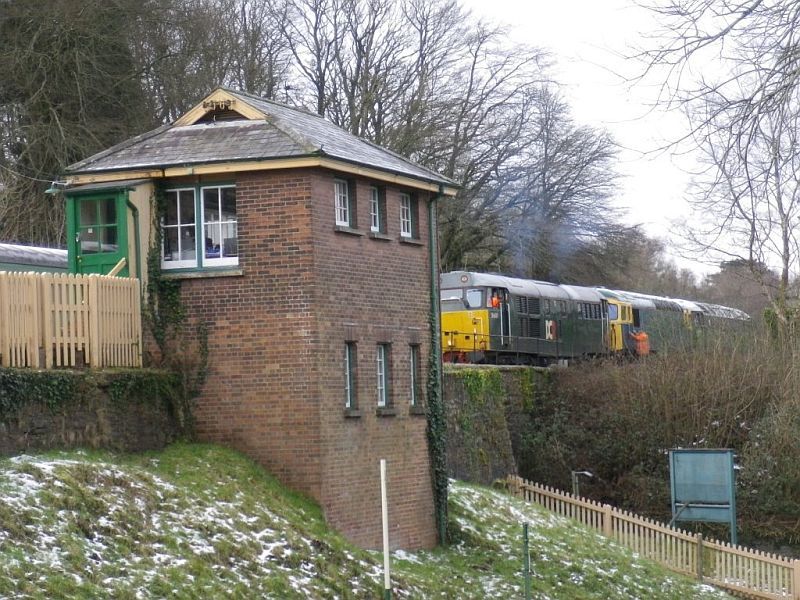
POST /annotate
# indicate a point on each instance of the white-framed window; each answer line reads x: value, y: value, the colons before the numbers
x: 350, y: 400
x: 383, y: 376
x: 376, y: 210
x: 208, y: 241
x: 342, y: 202
x: 414, y: 367
x: 221, y: 245
x: 179, y: 229
x: 405, y: 215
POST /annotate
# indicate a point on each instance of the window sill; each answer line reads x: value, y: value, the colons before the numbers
x: 410, y: 241
x: 385, y: 411
x: 201, y: 273
x: 347, y: 230
x: 352, y: 413
x: 377, y: 235
x: 417, y: 411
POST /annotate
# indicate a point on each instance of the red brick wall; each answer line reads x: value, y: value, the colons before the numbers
x: 275, y: 387
x: 261, y: 395
x: 372, y: 291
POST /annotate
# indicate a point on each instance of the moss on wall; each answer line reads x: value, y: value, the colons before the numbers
x: 119, y: 409
x: 487, y: 409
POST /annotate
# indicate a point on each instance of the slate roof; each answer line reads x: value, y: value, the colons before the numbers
x: 286, y: 133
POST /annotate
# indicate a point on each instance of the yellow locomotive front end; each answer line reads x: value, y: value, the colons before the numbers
x: 465, y: 324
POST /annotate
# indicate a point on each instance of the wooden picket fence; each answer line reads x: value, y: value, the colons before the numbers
x: 746, y: 572
x: 64, y: 320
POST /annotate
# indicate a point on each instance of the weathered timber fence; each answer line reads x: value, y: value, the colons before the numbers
x: 53, y: 319
x: 746, y: 572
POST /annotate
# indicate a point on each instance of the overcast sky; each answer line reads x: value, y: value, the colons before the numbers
x: 588, y: 39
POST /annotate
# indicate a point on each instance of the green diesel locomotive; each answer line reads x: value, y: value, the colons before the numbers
x: 488, y: 318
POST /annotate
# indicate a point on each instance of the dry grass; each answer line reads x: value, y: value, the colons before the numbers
x: 619, y: 420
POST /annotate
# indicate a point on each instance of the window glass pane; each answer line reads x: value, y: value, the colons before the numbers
x: 455, y: 294
x: 414, y: 375
x: 88, y: 213
x: 612, y: 311
x: 230, y: 245
x: 186, y: 214
x: 374, y: 210
x: 342, y: 203
x: 171, y: 244
x: 229, y: 204
x: 171, y: 212
x: 405, y: 215
x: 211, y: 204
x: 212, y: 241
x: 187, y: 243
x: 474, y: 298
x: 108, y: 211
x: 89, y: 240
x: 349, y: 374
x: 108, y: 239
x: 220, y: 228
x: 381, y: 375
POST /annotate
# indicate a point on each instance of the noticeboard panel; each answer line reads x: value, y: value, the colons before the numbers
x: 702, y: 482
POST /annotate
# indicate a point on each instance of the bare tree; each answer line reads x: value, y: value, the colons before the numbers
x: 313, y: 30
x: 735, y: 285
x: 747, y: 204
x: 69, y: 88
x: 734, y: 68
x: 563, y: 200
x: 488, y: 128
x: 261, y: 57
x: 183, y: 49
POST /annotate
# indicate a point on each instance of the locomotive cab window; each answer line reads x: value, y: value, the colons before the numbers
x: 495, y: 298
x: 612, y: 312
x: 451, y: 300
x: 474, y: 298
x: 450, y: 294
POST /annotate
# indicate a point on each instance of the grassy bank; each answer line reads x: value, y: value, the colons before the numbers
x: 200, y: 521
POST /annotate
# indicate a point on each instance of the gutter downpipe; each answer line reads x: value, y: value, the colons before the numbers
x: 135, y: 212
x: 435, y: 400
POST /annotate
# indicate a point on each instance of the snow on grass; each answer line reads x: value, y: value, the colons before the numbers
x: 199, y: 521
x: 567, y: 560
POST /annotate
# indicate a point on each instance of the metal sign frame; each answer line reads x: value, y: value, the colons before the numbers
x: 703, y: 486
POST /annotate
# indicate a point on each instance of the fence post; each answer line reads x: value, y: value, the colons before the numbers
x: 36, y: 325
x: 94, y: 323
x: 46, y: 291
x: 796, y: 580
x: 513, y: 485
x: 526, y: 560
x: 608, y: 531
x: 4, y: 350
x: 700, y: 557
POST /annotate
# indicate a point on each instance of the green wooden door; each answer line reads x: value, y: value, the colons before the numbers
x: 99, y: 233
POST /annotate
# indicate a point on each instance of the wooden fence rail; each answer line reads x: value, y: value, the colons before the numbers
x: 747, y: 572
x: 59, y: 320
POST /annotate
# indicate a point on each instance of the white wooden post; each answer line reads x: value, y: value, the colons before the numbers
x: 387, y: 585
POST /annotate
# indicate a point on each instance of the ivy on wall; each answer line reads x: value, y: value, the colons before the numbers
x: 165, y: 316
x: 437, y: 436
x: 19, y: 387
x: 164, y: 310
x: 57, y: 389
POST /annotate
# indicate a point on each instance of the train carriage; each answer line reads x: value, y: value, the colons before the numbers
x: 16, y: 257
x: 490, y: 318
